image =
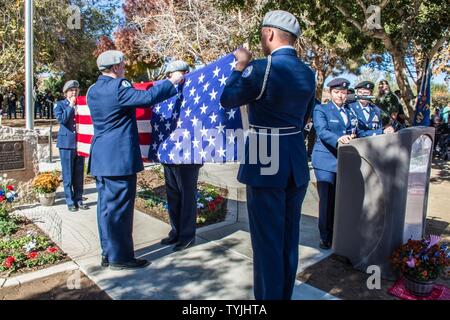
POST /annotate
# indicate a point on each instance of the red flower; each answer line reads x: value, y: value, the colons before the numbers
x: 9, y: 261
x: 211, y: 206
x: 52, y: 249
x: 32, y: 255
x: 10, y: 188
x: 2, y: 198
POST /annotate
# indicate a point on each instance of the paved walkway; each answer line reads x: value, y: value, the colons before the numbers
x: 219, y: 266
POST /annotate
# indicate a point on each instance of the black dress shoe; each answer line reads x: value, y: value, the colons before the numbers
x: 73, y: 209
x: 325, y: 245
x: 105, y: 262
x: 133, y: 264
x: 83, y: 206
x: 168, y: 241
x: 183, y: 245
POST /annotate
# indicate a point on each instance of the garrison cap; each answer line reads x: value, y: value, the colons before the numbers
x: 339, y: 83
x: 70, y: 85
x: 109, y: 58
x: 178, y: 65
x: 282, y: 20
x: 365, y: 85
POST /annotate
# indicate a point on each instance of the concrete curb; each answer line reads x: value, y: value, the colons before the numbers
x: 19, y: 280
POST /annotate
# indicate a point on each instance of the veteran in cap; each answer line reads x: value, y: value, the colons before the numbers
x: 280, y: 93
x: 368, y: 114
x: 181, y: 187
x: 115, y: 155
x: 335, y: 123
x: 72, y: 164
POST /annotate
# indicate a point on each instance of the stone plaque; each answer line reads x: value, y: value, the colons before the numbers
x: 12, y: 155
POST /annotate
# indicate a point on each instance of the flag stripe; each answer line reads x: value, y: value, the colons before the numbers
x: 84, y: 138
x: 144, y: 126
x: 145, y: 139
x: 83, y: 149
x: 85, y: 119
x: 85, y: 128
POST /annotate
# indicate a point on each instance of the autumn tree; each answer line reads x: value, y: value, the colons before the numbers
x: 59, y: 46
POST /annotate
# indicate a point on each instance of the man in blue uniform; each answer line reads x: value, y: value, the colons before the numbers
x: 280, y: 92
x: 72, y: 164
x: 368, y: 114
x: 115, y: 156
x: 181, y: 187
x: 334, y: 123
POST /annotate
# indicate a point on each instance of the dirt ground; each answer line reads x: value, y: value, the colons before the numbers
x: 55, y: 287
x: 337, y: 277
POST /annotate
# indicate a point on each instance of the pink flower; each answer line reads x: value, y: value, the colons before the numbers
x: 433, y: 240
x: 411, y: 263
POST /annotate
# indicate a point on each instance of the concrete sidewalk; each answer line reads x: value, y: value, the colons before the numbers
x: 219, y: 266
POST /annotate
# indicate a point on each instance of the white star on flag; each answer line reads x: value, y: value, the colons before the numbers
x: 223, y: 81
x: 231, y: 114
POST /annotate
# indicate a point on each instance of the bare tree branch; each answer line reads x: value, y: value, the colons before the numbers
x: 384, y: 4
x: 349, y: 17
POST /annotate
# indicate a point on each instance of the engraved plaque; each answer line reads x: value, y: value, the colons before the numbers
x: 12, y: 155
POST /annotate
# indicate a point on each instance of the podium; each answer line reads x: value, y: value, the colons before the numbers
x: 381, y: 196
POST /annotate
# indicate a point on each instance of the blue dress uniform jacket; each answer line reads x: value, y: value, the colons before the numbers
x: 116, y: 158
x: 274, y: 201
x: 115, y: 147
x: 287, y: 102
x: 367, y: 127
x: 65, y: 114
x: 72, y: 165
x: 330, y: 126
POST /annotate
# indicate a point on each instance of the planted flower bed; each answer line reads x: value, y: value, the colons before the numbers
x: 152, y: 199
x: 23, y: 247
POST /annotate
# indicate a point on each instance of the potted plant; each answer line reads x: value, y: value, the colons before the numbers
x: 45, y: 185
x: 421, y: 262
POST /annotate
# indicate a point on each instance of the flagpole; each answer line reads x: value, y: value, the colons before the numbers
x: 29, y: 103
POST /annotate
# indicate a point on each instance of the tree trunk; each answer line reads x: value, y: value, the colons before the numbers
x: 321, y: 76
x: 407, y: 94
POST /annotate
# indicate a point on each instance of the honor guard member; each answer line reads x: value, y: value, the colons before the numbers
x: 334, y: 123
x: 368, y: 114
x: 280, y: 93
x: 115, y: 155
x: 181, y: 187
x: 72, y: 165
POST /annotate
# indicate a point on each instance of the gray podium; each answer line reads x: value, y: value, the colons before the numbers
x: 381, y: 196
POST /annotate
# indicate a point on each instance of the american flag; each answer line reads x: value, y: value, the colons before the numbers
x: 191, y: 127
x: 85, y: 128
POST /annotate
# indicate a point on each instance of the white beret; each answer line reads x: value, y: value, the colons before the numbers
x: 282, y: 20
x: 70, y: 85
x: 109, y: 58
x: 178, y: 65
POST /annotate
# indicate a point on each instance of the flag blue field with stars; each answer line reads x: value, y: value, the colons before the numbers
x: 192, y: 127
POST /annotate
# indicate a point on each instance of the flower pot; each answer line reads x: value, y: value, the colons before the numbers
x: 417, y: 287
x: 47, y: 199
